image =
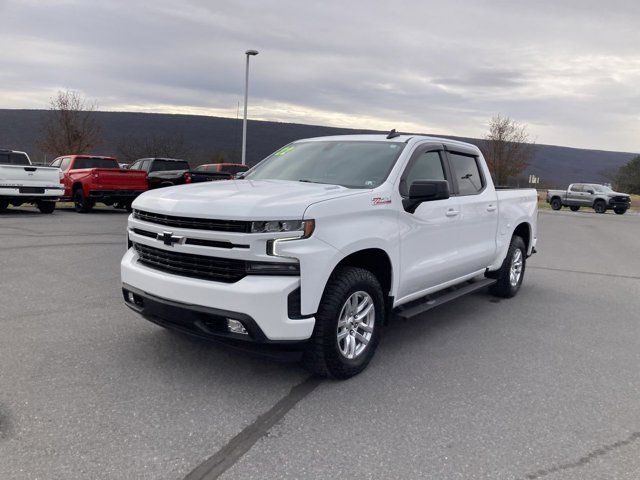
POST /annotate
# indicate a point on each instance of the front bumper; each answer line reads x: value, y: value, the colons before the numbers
x: 261, y: 303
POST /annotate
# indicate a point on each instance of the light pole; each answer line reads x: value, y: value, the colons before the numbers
x: 248, y: 53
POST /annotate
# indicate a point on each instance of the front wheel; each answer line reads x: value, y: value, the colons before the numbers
x: 574, y: 208
x: 619, y: 211
x: 600, y: 206
x: 348, y: 324
x: 46, y: 206
x: 556, y: 204
x: 511, y: 273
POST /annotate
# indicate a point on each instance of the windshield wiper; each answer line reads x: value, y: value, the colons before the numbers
x: 306, y: 180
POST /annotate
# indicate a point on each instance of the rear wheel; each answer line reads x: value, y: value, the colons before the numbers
x: 556, y: 203
x: 81, y: 203
x: 348, y: 324
x: 600, y: 206
x: 619, y: 211
x: 3, y: 205
x: 46, y: 206
x: 574, y: 208
x: 511, y: 272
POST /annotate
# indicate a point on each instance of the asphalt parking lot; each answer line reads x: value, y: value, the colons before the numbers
x: 545, y: 385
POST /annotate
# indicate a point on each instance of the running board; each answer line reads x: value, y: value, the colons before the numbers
x: 432, y: 301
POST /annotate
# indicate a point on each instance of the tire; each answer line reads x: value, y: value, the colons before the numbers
x: 4, y: 204
x: 619, y: 211
x: 599, y: 206
x: 556, y: 203
x: 324, y: 354
x: 505, y: 287
x: 574, y: 208
x: 46, y: 206
x: 82, y: 204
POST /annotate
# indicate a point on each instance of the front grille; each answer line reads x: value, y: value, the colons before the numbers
x: 226, y: 270
x: 620, y: 199
x: 195, y: 223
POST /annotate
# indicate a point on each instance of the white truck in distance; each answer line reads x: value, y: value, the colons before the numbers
x: 21, y: 182
x: 320, y: 243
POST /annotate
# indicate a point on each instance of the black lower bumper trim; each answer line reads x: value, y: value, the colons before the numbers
x: 208, y: 323
x: 114, y: 194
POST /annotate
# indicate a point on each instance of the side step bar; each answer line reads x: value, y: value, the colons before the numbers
x: 431, y: 301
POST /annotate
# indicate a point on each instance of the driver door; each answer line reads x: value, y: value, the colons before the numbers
x: 428, y: 237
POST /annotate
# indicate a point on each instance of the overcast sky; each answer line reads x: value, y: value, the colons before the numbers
x: 568, y: 69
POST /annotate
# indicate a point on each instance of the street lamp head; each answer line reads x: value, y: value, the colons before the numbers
x: 251, y: 52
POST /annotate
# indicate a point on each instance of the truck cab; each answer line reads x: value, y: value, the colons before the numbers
x: 316, y: 246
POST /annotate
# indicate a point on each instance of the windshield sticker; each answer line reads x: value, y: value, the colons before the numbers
x: 284, y: 151
x: 380, y: 200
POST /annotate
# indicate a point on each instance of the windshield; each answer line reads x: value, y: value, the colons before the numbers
x: 95, y: 162
x: 352, y: 164
x: 600, y: 188
x: 167, y: 165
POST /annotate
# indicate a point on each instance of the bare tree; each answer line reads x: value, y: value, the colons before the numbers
x: 70, y: 125
x: 507, y: 149
x: 131, y: 148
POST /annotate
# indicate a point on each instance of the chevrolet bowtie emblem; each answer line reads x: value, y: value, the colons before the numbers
x: 168, y: 238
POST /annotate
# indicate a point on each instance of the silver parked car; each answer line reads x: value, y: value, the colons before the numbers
x: 590, y: 195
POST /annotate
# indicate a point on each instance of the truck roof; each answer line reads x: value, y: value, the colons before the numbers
x: 383, y: 138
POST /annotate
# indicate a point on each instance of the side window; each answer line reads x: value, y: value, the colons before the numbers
x: 466, y: 171
x: 145, y: 165
x: 56, y: 162
x: 577, y: 188
x: 65, y: 163
x: 427, y: 166
x: 135, y: 166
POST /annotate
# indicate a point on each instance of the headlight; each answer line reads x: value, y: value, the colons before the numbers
x: 305, y: 227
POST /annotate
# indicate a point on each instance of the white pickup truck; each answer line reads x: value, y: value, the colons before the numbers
x: 21, y: 182
x: 321, y: 242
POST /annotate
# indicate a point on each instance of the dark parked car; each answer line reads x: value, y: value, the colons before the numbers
x: 164, y: 172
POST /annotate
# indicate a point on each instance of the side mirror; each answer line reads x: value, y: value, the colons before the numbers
x: 591, y: 192
x: 425, y: 191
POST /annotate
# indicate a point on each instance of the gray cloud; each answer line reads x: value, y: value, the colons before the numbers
x: 569, y: 69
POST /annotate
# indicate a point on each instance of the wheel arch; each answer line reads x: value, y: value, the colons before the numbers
x: 523, y: 230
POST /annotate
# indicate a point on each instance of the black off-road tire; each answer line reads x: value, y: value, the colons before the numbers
x: 4, y: 204
x: 619, y: 211
x: 600, y: 206
x: 556, y: 204
x: 574, y: 208
x: 322, y: 355
x: 81, y: 203
x: 503, y: 287
x: 46, y: 206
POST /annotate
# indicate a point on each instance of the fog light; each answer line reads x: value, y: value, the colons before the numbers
x: 234, y: 326
x: 131, y: 298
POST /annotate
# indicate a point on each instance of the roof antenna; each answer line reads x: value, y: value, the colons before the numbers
x: 393, y: 134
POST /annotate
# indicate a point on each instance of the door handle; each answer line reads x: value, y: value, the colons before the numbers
x: 452, y: 212
x: 491, y: 208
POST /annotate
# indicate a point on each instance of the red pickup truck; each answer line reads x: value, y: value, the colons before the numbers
x: 89, y: 179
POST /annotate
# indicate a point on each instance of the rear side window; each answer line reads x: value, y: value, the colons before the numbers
x: 467, y: 173
x: 428, y: 166
x: 95, y: 162
x: 577, y: 188
x: 165, y: 165
x: 14, y: 159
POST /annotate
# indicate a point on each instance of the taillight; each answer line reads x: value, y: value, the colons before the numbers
x: 187, y: 177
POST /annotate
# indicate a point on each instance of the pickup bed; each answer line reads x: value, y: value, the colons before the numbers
x: 590, y: 195
x: 89, y: 179
x: 319, y: 244
x: 21, y: 182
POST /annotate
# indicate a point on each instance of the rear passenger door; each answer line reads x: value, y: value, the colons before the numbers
x: 575, y: 195
x: 478, y: 223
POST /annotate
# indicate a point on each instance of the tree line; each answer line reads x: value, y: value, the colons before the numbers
x: 71, y: 126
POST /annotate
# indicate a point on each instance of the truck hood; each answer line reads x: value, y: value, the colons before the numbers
x: 240, y: 199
